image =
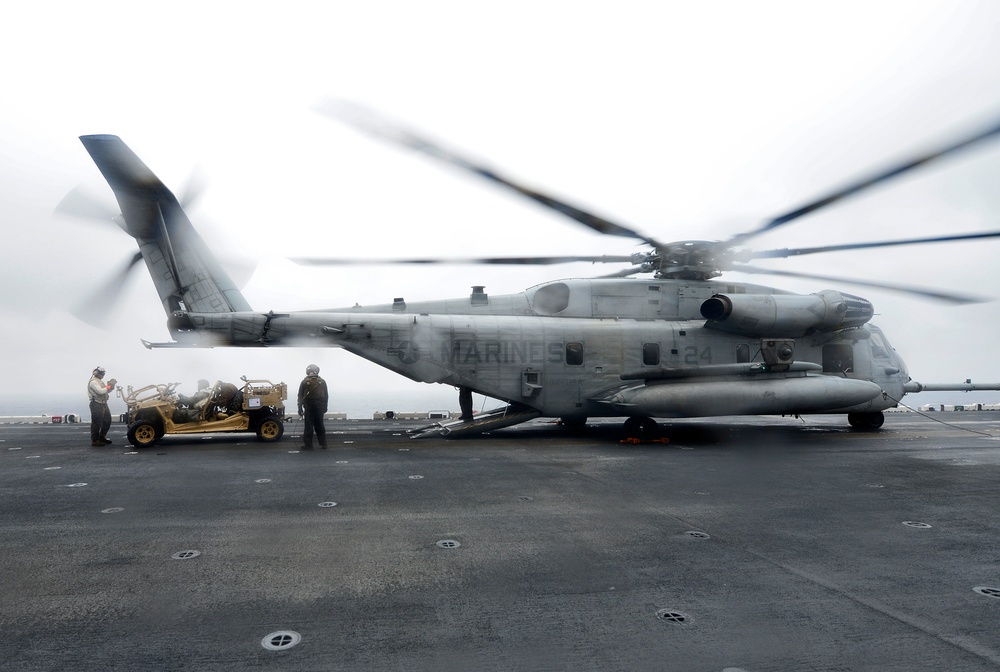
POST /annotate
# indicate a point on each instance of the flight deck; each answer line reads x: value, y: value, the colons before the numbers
x: 740, y: 544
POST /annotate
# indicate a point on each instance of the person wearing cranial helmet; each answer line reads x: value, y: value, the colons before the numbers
x: 313, y: 398
x: 100, y: 414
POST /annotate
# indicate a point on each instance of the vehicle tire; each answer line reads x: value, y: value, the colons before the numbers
x: 142, y: 433
x: 270, y: 429
x: 868, y: 422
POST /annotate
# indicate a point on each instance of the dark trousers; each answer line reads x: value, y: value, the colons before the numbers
x: 313, y: 422
x: 100, y: 420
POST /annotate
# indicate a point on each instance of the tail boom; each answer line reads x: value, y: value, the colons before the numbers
x: 187, y: 275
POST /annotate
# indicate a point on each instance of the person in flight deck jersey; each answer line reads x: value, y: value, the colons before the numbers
x: 313, y: 400
x: 100, y: 414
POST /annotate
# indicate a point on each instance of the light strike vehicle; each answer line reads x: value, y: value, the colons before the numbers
x: 678, y: 344
x: 157, y: 410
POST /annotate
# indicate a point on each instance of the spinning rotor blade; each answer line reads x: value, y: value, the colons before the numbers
x: 192, y: 189
x: 624, y: 273
x: 77, y: 203
x: 368, y: 121
x: 794, y: 252
x: 526, y: 261
x: 905, y: 289
x: 866, y: 183
x: 97, y: 307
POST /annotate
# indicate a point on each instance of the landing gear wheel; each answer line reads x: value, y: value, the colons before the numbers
x: 270, y: 429
x: 866, y: 421
x: 142, y: 433
x: 641, y: 428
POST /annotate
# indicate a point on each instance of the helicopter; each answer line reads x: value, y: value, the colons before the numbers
x: 681, y: 343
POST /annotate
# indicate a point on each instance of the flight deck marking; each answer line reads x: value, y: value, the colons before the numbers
x: 987, y: 591
x: 448, y: 543
x: 913, y: 523
x: 185, y: 555
x: 281, y: 640
x: 327, y: 505
x: 672, y: 616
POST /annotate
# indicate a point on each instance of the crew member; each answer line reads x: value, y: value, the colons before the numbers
x: 100, y: 414
x: 465, y: 402
x: 190, y: 408
x: 203, y: 393
x: 313, y: 400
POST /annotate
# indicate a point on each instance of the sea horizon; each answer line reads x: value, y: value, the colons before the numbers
x: 357, y: 405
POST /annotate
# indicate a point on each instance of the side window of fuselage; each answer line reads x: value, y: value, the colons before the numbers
x: 742, y: 353
x: 574, y: 354
x: 650, y: 354
x: 838, y: 358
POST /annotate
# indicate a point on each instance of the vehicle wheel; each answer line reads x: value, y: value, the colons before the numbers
x: 641, y: 428
x: 142, y: 433
x: 270, y: 428
x: 866, y: 421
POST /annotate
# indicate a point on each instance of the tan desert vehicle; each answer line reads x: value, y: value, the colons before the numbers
x: 156, y: 410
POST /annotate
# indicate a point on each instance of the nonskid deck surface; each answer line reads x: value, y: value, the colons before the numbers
x: 753, y: 544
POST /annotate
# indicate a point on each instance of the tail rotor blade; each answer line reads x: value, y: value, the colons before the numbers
x: 193, y: 189
x: 78, y: 203
x: 98, y: 307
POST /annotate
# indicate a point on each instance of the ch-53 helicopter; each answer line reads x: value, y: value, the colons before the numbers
x: 677, y: 344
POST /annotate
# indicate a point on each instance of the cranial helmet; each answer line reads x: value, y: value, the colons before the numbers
x: 99, y: 371
x: 312, y: 370
x: 202, y: 384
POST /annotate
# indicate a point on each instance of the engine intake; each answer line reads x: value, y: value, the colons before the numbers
x: 789, y: 315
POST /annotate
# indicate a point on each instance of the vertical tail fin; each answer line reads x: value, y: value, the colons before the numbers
x: 187, y: 275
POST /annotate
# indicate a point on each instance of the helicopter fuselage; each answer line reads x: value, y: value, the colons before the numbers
x: 605, y: 347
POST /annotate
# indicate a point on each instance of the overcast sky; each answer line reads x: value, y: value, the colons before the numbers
x: 682, y: 120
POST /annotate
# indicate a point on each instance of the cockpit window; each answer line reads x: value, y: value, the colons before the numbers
x: 878, y: 346
x: 551, y: 299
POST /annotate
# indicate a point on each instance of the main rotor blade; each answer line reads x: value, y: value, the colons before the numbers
x: 868, y: 182
x: 798, y: 251
x: 905, y: 289
x: 541, y: 261
x: 97, y: 308
x: 370, y: 122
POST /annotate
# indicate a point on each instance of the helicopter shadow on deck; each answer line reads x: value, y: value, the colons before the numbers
x: 679, y: 434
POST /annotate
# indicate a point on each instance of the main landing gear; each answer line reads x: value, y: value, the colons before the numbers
x: 641, y: 427
x: 867, y: 422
